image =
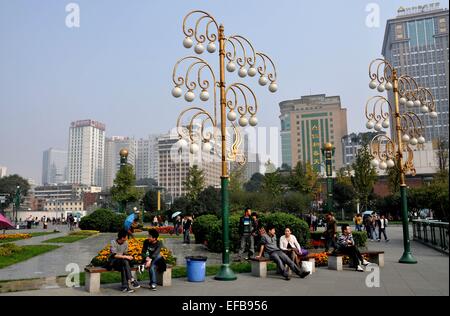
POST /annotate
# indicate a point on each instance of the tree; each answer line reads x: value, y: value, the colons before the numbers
x: 8, y: 187
x: 394, y: 178
x: 255, y: 183
x: 304, y: 179
x: 365, y: 176
x: 124, y: 190
x: 296, y: 202
x: 344, y: 196
x: 194, y: 183
x: 210, y: 202
x: 272, y: 184
x: 236, y: 180
x: 150, y: 201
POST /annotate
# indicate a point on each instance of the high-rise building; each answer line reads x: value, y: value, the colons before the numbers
x: 416, y: 43
x: 3, y: 171
x: 86, y: 153
x: 174, y: 167
x: 147, y: 160
x: 54, y: 166
x: 307, y: 124
x: 113, y: 146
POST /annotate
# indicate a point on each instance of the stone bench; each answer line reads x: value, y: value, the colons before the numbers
x: 92, y: 277
x: 259, y: 266
x: 335, y: 259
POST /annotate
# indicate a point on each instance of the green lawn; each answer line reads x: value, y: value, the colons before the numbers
x: 177, y: 272
x: 36, y: 234
x: 26, y: 253
x: 65, y: 239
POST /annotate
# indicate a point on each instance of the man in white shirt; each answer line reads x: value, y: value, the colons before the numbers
x: 382, y: 228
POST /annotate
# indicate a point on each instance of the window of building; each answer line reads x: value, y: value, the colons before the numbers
x: 442, y: 25
x: 399, y: 32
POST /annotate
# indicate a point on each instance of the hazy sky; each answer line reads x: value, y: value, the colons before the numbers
x: 117, y: 66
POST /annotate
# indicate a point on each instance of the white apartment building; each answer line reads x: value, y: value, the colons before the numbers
x: 86, y: 153
x: 147, y: 160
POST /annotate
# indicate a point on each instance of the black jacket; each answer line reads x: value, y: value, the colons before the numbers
x: 150, y: 250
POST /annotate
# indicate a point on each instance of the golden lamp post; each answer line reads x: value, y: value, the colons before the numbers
x: 397, y: 150
x: 226, y: 102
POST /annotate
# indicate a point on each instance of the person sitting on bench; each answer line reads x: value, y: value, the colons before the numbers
x: 269, y: 245
x: 120, y: 261
x: 346, y: 246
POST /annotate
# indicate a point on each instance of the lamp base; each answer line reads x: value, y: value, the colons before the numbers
x: 407, y: 258
x: 225, y: 273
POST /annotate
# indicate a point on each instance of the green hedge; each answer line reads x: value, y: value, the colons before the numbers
x: 360, y: 238
x: 103, y: 220
x: 210, y: 230
x: 201, y: 225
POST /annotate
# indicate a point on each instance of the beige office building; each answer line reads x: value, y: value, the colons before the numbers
x: 308, y: 123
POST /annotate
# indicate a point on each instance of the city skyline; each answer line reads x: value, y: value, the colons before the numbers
x: 118, y: 72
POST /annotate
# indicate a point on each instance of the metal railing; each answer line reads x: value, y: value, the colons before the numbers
x: 432, y: 233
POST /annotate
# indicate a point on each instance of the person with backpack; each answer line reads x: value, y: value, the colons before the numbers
x: 247, y: 230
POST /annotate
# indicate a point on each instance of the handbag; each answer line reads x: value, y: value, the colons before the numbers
x: 307, y: 266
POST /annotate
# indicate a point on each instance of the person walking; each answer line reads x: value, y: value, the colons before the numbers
x: 382, y: 225
x: 177, y: 225
x: 186, y: 230
x: 247, y: 229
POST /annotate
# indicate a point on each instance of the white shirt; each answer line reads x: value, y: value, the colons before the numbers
x: 292, y: 241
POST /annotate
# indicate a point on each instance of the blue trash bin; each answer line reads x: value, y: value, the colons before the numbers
x: 196, y: 268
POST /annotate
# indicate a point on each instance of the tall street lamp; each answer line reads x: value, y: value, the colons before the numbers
x: 237, y: 99
x: 396, y: 151
x: 123, y: 162
x: 328, y: 153
x: 16, y: 204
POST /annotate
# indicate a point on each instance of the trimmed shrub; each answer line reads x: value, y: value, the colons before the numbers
x: 299, y: 227
x: 201, y: 227
x: 103, y: 220
x: 360, y: 238
x: 281, y: 220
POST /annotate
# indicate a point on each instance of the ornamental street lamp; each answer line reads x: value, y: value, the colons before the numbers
x: 328, y: 153
x: 237, y: 99
x: 396, y: 151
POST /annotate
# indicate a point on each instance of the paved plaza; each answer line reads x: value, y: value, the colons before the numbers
x: 429, y: 277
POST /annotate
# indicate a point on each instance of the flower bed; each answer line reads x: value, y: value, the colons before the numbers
x: 322, y: 259
x: 161, y: 229
x: 134, y: 249
x: 14, y: 236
